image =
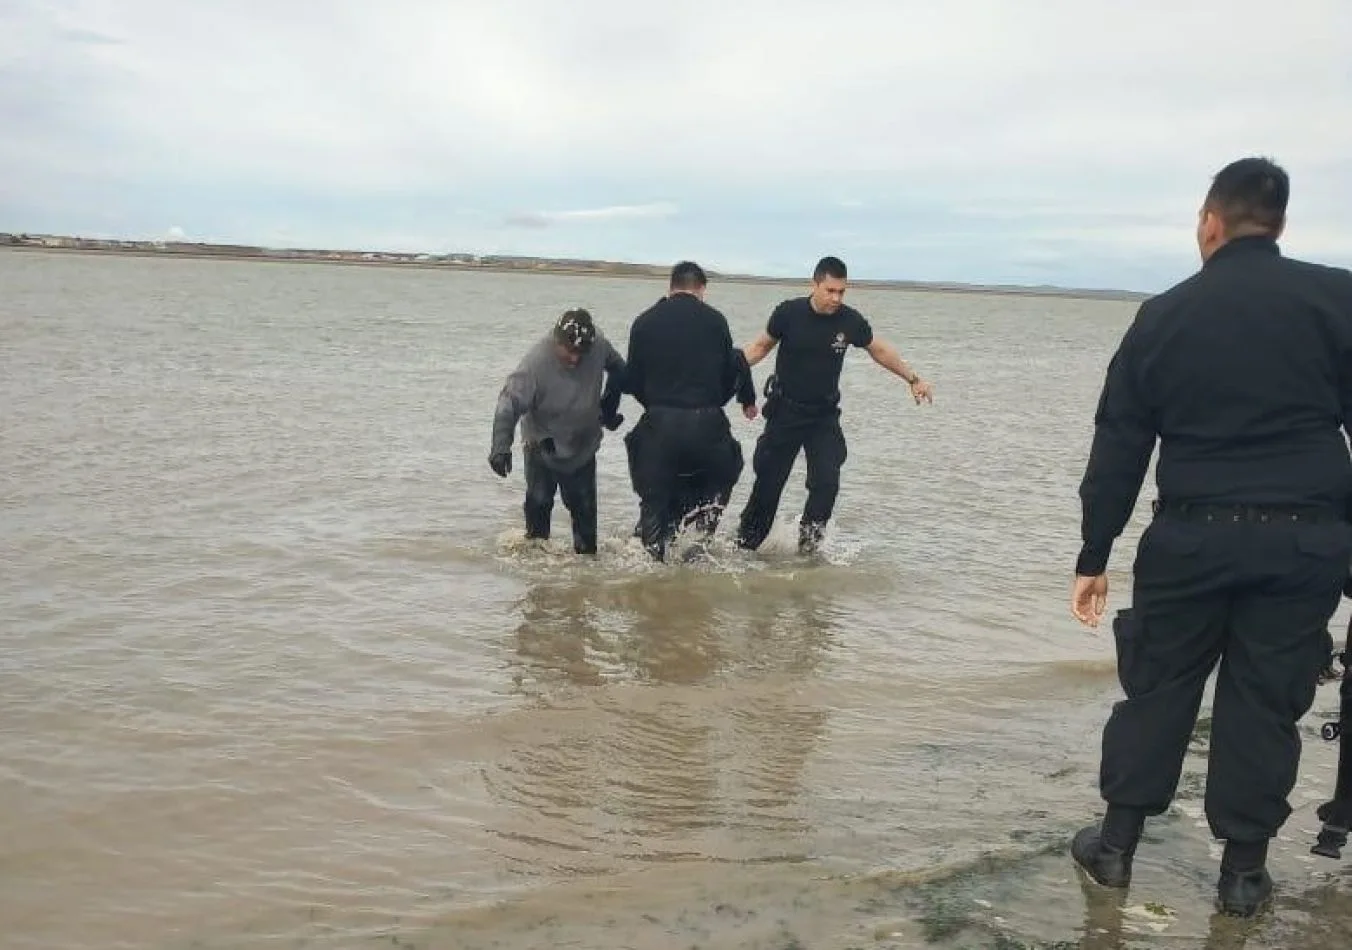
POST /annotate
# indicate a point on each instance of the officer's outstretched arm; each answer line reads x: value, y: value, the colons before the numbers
x: 886, y: 356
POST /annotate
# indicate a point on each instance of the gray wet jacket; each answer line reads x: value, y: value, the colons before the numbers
x: 558, y: 402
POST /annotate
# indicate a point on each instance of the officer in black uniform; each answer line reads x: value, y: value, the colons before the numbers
x: 1244, y: 373
x: 802, y: 402
x: 683, y: 368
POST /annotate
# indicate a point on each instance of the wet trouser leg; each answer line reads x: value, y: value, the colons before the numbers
x: 1266, y: 685
x: 686, y: 497
x: 651, y: 474
x: 666, y: 446
x: 706, y: 510
x: 825, y: 451
x: 1255, y: 596
x: 541, y: 484
x: 578, y: 491
x: 707, y: 492
x: 682, y: 504
x: 772, y: 462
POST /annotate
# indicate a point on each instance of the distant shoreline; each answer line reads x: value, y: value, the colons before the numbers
x: 495, y: 264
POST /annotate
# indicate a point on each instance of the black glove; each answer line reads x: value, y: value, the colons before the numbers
x: 501, y: 463
x: 612, y: 421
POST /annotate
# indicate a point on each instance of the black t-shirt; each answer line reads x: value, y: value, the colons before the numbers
x: 812, y: 349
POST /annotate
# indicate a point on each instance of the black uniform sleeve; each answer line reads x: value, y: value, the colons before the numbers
x: 737, y: 379
x: 633, y: 365
x: 746, y: 385
x: 861, y: 331
x: 1345, y: 384
x: 778, y: 322
x: 1124, y: 437
x: 615, y: 382
x: 1345, y: 367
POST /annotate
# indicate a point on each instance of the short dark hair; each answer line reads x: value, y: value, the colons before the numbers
x: 687, y: 275
x: 1250, y: 192
x: 829, y: 267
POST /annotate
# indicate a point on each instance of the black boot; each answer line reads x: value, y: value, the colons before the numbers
x: 1244, y: 884
x: 1105, y: 852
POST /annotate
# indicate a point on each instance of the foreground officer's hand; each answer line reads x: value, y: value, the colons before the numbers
x: 1088, y: 598
x: 922, y: 390
x: 501, y: 463
x: 750, y: 411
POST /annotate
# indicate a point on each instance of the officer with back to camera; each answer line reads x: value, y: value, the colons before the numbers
x: 1244, y: 373
x: 683, y: 368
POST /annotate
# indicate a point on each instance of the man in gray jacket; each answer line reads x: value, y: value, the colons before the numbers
x: 555, y: 392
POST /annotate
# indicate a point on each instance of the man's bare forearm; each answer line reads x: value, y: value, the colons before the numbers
x: 886, y: 356
x: 757, y: 350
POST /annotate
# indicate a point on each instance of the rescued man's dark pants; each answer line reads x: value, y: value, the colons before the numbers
x: 788, y: 430
x: 669, y: 446
x: 578, y: 491
x: 1255, y: 593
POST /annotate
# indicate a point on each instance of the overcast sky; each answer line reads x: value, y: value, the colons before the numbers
x: 1021, y: 141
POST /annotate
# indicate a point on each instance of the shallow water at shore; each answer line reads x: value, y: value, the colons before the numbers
x: 280, y: 672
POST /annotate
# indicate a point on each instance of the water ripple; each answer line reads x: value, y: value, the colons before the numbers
x: 278, y: 667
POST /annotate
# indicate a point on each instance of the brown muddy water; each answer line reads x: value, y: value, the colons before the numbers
x: 279, y: 672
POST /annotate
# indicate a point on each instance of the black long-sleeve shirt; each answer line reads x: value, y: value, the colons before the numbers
x: 681, y: 355
x: 1244, y: 373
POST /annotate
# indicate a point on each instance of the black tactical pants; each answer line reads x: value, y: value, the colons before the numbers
x: 1254, y: 593
x: 578, y: 490
x: 686, y: 500
x: 787, y: 431
x: 680, y: 460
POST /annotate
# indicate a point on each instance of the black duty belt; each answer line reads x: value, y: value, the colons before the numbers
x: 774, y: 392
x: 804, y: 409
x: 1191, y: 511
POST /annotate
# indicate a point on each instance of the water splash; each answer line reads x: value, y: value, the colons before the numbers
x: 623, y: 555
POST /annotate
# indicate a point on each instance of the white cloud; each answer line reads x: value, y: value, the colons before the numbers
x: 989, y: 112
x: 657, y: 209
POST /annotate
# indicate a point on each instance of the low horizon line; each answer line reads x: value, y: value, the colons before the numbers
x: 513, y: 263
